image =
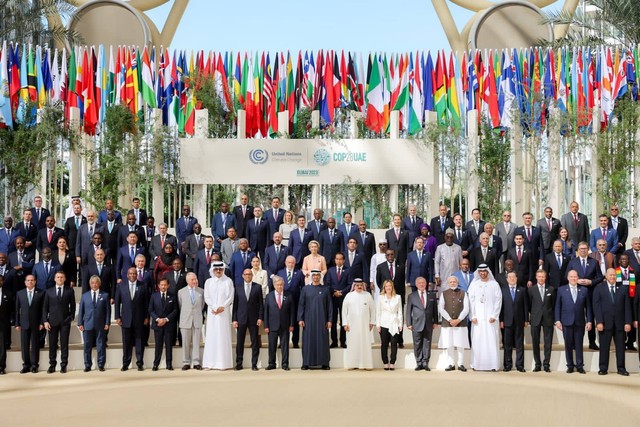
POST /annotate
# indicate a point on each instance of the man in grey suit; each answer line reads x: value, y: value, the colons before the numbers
x: 229, y: 245
x: 549, y: 229
x: 505, y: 230
x: 94, y: 318
x: 576, y: 224
x: 422, y: 317
x: 158, y: 241
x: 193, y: 243
x: 191, y: 303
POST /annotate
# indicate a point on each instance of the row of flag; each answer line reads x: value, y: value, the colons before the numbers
x: 504, y: 85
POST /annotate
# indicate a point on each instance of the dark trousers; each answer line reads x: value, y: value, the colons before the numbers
x: 165, y: 336
x: 422, y: 345
x: 630, y: 337
x: 60, y: 332
x: 255, y: 344
x: 30, y: 347
x: 618, y: 336
x: 95, y: 338
x: 295, y: 335
x: 6, y: 339
x: 385, y: 339
x: 283, y: 336
x: 3, y: 351
x: 535, y: 344
x: 513, y: 337
x: 337, y: 308
x: 592, y: 332
x: 573, y: 336
x: 131, y: 336
x: 401, y: 292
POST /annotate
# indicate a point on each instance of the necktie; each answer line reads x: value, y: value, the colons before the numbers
x: 484, y: 254
x: 275, y: 215
x: 277, y: 251
x: 257, y: 222
x: 91, y: 231
x: 318, y: 226
x: 244, y: 210
x: 348, y: 228
x: 50, y: 235
x: 458, y: 233
x: 247, y: 290
x: 193, y: 299
x: 507, y: 225
x: 110, y: 227
x: 59, y: 294
x: 574, y: 294
x: 301, y: 231
x: 364, y: 236
x: 77, y: 222
x: 186, y: 223
x: 397, y: 234
x: 137, y: 212
x: 99, y: 269
x: 30, y: 294
x: 140, y: 275
x: 208, y: 257
x: 604, y: 234
x: 279, y: 300
x: 162, y: 241
x: 288, y: 276
x: 549, y: 224
x: 164, y: 298
x: 20, y: 258
x: 176, y: 276
x: 350, y: 258
x: 38, y: 211
x: 513, y: 293
x: 528, y: 234
x: 422, y: 298
x: 442, y: 224
x: 95, y: 300
x: 132, y: 290
x: 419, y: 257
x: 490, y: 241
x: 475, y: 226
x: 584, y: 266
x: 613, y: 293
x: 46, y: 268
x: 541, y: 292
x: 519, y: 254
x: 339, y: 273
x: 575, y: 219
x: 8, y: 233
x: 132, y: 254
x: 625, y: 274
x: 468, y: 276
x: 559, y: 261
x: 391, y: 271
x: 244, y: 258
x: 637, y: 256
x: 413, y: 222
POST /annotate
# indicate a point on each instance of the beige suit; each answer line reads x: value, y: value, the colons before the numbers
x: 190, y: 323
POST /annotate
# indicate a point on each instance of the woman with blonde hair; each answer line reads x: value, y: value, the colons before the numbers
x: 286, y: 227
x: 313, y: 261
x: 389, y: 323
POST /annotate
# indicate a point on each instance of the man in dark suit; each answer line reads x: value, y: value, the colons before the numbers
x: 367, y: 247
x: 394, y: 271
x: 513, y: 319
x: 163, y: 311
x: 348, y: 228
x: 7, y: 305
x: 299, y: 239
x: 613, y: 317
x: 131, y: 314
x: 626, y: 278
x: 8, y: 236
x: 27, y: 229
x: 202, y: 262
x: 48, y: 235
x: 72, y: 226
x: 412, y: 222
x: 331, y: 242
x: 177, y: 277
x: 220, y: 224
x: 576, y: 224
x: 159, y: 240
x: 38, y: 213
x: 139, y: 213
x: 634, y: 254
x: 105, y: 272
x: 274, y: 217
x: 573, y: 315
x: 589, y: 276
x: 293, y: 283
x: 279, y: 318
x: 526, y: 264
x: 85, y: 236
x: 605, y: 233
x: 398, y: 240
x: 460, y: 234
x: 45, y: 271
x: 111, y: 237
x: 94, y: 318
x: 108, y: 207
x: 555, y: 264
x: 276, y: 254
x: 483, y: 254
x: 20, y: 263
x: 247, y: 313
x: 621, y: 226
x: 439, y: 224
x: 419, y: 264
x: 549, y: 229
x: 89, y: 256
x: 495, y: 242
x: 193, y: 243
x: 353, y: 260
x: 542, y: 299
x: 474, y: 228
x: 240, y: 260
x: 317, y: 224
x: 127, y: 256
x: 421, y: 318
x: 58, y: 312
x: 257, y: 232
x: 29, y: 304
x: 128, y: 227
x: 243, y: 213
x: 532, y: 238
x: 337, y: 280
x: 184, y: 226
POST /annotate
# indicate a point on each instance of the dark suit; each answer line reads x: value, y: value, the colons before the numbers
x: 574, y: 317
x: 330, y: 244
x: 299, y: 248
x: 184, y: 228
x: 401, y: 245
x: 18, y: 276
x: 84, y: 239
x: 549, y: 235
x: 557, y: 274
x: 258, y: 235
x: 240, y: 220
x: 164, y: 335
x: 219, y: 228
x: 42, y: 240
x: 59, y: 312
x: 39, y: 221
x: 593, y: 273
x: 366, y: 247
x: 238, y: 265
x: 142, y: 216
x: 419, y: 268
x: 123, y: 233
x: 635, y: 265
x: 7, y: 306
x: 272, y: 262
x: 492, y: 260
x: 472, y: 234
x: 541, y: 317
x: 533, y: 244
x: 102, y: 216
x: 191, y: 247
x: 623, y: 233
x: 71, y: 231
x: 525, y: 267
x: 278, y: 320
x: 337, y: 284
x: 316, y: 227
x: 356, y: 270
x: 274, y: 222
x: 107, y: 278
x: 294, y: 287
x: 176, y: 285
x: 30, y: 235
x: 45, y: 280
x: 578, y: 232
x: 513, y: 314
x: 353, y: 228
x: 247, y: 312
x: 124, y: 261
x: 93, y: 318
x: 421, y: 320
x: 611, y: 238
x: 201, y: 267
x: 132, y: 313
x: 436, y: 227
x: 29, y: 320
x: 614, y: 312
x: 7, y: 239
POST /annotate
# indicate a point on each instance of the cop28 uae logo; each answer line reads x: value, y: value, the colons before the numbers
x: 321, y: 157
x: 258, y: 156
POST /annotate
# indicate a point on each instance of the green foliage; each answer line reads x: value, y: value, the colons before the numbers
x: 221, y: 121
x: 493, y: 170
x: 25, y: 21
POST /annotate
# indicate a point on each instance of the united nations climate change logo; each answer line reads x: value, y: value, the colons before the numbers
x: 258, y: 156
x: 321, y: 157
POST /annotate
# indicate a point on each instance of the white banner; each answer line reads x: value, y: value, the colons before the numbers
x: 308, y: 161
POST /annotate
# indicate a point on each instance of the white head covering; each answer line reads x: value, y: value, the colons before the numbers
x: 483, y: 266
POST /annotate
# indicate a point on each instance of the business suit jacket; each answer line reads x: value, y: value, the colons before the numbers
x: 30, y: 235
x: 612, y: 314
x: 27, y: 265
x: 237, y: 266
x: 274, y: 223
x: 176, y: 285
x: 402, y: 244
x: 155, y: 247
x: 247, y: 312
x: 123, y: 261
x: 219, y: 227
x: 6, y: 310
x: 577, y: 232
x: 526, y: 267
x: 356, y: 270
x: 272, y: 262
x: 123, y: 232
x: 191, y: 313
x: 462, y: 240
x: 632, y: 259
x: 44, y: 280
x: 278, y: 319
x: 132, y: 312
x: 102, y: 216
x: 240, y: 220
x: 7, y: 240
x: 415, y: 269
x: 347, y: 234
x: 548, y: 236
x: 330, y: 246
x: 609, y: 260
x: 534, y: 245
x: 71, y: 231
x: 191, y: 247
x: 227, y: 248
x: 258, y: 236
x: 495, y: 243
x: 295, y: 285
x: 299, y: 248
x: 157, y: 310
x: 343, y: 284
x: 62, y: 312
x: 316, y: 227
x: 420, y: 318
x: 592, y: 271
x: 28, y: 317
x: 94, y: 318
x: 39, y: 222
x: 492, y: 260
x: 612, y: 239
x: 472, y: 235
x: 184, y: 227
x: 107, y: 277
x: 464, y: 280
x: 382, y: 274
x: 569, y: 313
x: 505, y: 237
x: 541, y: 311
x: 622, y: 231
x: 84, y: 240
x: 514, y: 312
x: 366, y: 247
x: 413, y: 229
x: 142, y: 216
x: 557, y: 275
x: 436, y: 228
x: 90, y: 254
x: 42, y: 240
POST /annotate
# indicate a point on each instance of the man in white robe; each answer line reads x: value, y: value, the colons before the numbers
x: 454, y: 308
x: 359, y: 316
x: 218, y: 294
x: 485, y: 302
x: 447, y: 258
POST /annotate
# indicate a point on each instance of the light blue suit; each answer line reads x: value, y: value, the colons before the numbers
x: 93, y: 319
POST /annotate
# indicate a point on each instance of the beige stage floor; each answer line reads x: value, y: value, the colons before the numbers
x: 335, y: 398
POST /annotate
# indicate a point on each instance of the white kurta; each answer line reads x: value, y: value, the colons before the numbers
x: 376, y: 260
x: 446, y: 261
x: 358, y: 312
x: 453, y: 336
x: 218, y: 292
x: 485, y: 301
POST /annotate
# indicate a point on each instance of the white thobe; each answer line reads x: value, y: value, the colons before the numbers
x: 485, y: 301
x: 358, y: 312
x: 218, y: 292
x: 447, y: 261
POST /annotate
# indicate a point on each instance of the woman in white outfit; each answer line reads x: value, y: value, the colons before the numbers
x: 389, y: 323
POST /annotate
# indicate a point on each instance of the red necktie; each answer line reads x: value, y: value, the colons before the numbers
x: 50, y: 235
x: 604, y: 233
x: 162, y: 241
x: 575, y: 219
x: 519, y: 254
x: 339, y: 273
x: 528, y: 234
x: 549, y: 224
x: 279, y: 301
x: 208, y: 257
x: 422, y: 298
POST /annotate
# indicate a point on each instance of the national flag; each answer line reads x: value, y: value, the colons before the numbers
x: 416, y: 112
x: 440, y: 97
x: 6, y: 116
x: 453, y: 107
x: 148, y: 84
x: 375, y: 102
x: 428, y: 80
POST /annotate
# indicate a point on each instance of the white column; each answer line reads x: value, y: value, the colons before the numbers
x: 202, y: 123
x: 596, y: 174
x: 394, y: 125
x: 157, y: 188
x: 517, y: 182
x: 283, y: 123
x: 315, y: 119
x: 354, y: 131
x: 434, y: 188
x: 553, y: 158
x: 315, y: 196
x: 74, y: 156
x: 393, y: 198
x: 200, y: 190
x: 472, y: 173
x: 242, y: 124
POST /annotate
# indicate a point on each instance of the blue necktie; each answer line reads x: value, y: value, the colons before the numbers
x: 193, y: 299
x: 513, y: 294
x: 132, y: 255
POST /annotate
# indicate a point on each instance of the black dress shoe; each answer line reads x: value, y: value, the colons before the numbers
x: 593, y: 346
x: 238, y: 368
x: 521, y: 370
x: 169, y: 368
x: 254, y: 368
x: 270, y: 368
x: 506, y: 370
x: 632, y: 348
x: 186, y: 367
x: 296, y: 346
x: 155, y: 368
x: 581, y: 371
x: 87, y: 369
x: 63, y: 370
x: 623, y: 372
x: 602, y: 372
x: 547, y: 369
x: 304, y: 368
x: 325, y: 367
x: 140, y: 368
x: 34, y: 370
x: 537, y: 369
x: 426, y: 368
x: 343, y: 345
x: 51, y: 370
x: 25, y: 370
x: 101, y: 369
x: 333, y: 345
x: 3, y: 372
x: 285, y: 368
x: 124, y: 368
x: 418, y: 368
x: 198, y: 367
x: 569, y: 370
x: 462, y: 368
x: 450, y: 368
x: 401, y: 345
